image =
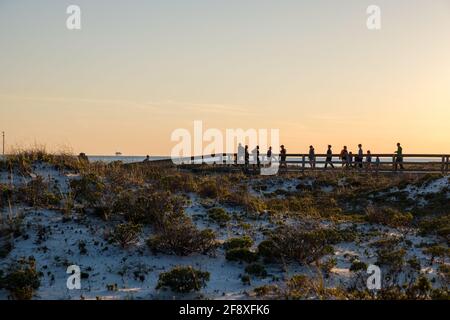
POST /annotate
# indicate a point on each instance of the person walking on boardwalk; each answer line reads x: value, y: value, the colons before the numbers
x: 283, y: 153
x: 350, y: 159
x: 359, y: 158
x: 255, y: 158
x: 369, y: 160
x: 344, y: 157
x: 269, y: 156
x: 399, y: 158
x: 258, y: 160
x: 377, y: 164
x: 246, y: 157
x: 312, y: 157
x: 328, y: 160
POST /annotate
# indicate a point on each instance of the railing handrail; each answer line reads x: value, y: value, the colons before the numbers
x: 384, y: 155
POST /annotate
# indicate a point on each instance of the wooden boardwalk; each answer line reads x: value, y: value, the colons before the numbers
x: 298, y: 162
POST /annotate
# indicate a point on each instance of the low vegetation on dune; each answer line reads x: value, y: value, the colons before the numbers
x: 165, y: 228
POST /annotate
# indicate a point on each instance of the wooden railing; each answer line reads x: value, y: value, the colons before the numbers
x: 301, y: 162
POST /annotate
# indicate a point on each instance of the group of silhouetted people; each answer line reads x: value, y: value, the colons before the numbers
x: 348, y: 159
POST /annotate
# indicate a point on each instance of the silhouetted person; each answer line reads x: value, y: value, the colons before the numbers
x: 246, y: 157
x: 399, y: 157
x: 269, y: 156
x: 83, y: 157
x: 359, y: 158
x: 350, y: 159
x: 369, y: 160
x: 328, y: 160
x: 147, y: 159
x: 344, y: 157
x: 258, y: 160
x: 312, y: 157
x: 283, y: 153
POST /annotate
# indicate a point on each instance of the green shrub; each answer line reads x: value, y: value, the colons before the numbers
x: 267, y: 290
x: 177, y: 182
x: 183, y: 279
x: 414, y: 264
x: 444, y: 271
x: 219, y: 215
x: 242, y: 198
x: 392, y: 258
x: 245, y: 278
x: 149, y: 207
x: 126, y: 234
x: 420, y: 290
x: 241, y: 254
x: 388, y: 216
x: 327, y: 265
x: 439, y: 225
x: 304, y: 287
x: 389, y: 243
x: 6, y: 247
x: 22, y: 279
x: 183, y: 238
x: 299, y: 244
x: 437, y: 251
x: 256, y: 269
x: 358, y: 266
x: 38, y: 193
x: 12, y: 226
x: 268, y: 250
x: 209, y: 189
x: 88, y: 188
x: 241, y: 242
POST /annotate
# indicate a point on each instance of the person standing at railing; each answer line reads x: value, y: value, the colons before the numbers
x: 256, y: 160
x: 399, y: 158
x: 328, y: 160
x: 359, y: 158
x: 369, y: 160
x: 350, y: 159
x: 269, y: 156
x: 344, y: 157
x: 246, y: 157
x: 283, y: 153
x: 312, y: 157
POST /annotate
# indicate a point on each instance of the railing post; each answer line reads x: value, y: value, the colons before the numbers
x: 443, y: 165
x: 446, y: 164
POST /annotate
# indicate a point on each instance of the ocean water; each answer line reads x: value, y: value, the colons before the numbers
x: 124, y: 159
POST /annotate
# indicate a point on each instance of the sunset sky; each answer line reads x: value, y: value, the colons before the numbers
x: 138, y: 70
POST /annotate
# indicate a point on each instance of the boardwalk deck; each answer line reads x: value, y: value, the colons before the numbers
x: 298, y: 162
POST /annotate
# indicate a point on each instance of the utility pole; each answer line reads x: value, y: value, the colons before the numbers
x: 3, y: 136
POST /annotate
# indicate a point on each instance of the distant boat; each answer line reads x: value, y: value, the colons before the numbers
x: 118, y: 154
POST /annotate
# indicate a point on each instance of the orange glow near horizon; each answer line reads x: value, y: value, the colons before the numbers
x: 133, y: 75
